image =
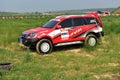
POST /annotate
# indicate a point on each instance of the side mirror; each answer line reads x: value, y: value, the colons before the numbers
x: 58, y: 27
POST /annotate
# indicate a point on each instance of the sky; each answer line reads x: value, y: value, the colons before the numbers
x: 54, y: 5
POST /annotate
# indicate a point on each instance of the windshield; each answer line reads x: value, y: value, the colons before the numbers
x: 50, y: 24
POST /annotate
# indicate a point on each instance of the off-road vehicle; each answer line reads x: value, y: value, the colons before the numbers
x: 64, y: 30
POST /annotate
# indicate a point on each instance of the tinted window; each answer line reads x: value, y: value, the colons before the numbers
x: 90, y: 20
x: 66, y: 23
x: 97, y: 21
x: 50, y: 24
x: 78, y: 21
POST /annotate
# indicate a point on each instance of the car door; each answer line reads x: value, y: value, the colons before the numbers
x: 66, y: 27
x: 72, y: 29
x: 79, y: 28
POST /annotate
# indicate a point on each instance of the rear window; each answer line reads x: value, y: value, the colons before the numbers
x: 90, y: 20
x: 97, y: 21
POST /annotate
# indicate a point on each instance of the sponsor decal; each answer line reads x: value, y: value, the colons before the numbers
x: 54, y: 33
x: 64, y: 34
x: 75, y: 32
x: 93, y: 21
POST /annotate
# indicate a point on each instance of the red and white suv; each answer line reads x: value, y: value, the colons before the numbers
x: 64, y: 30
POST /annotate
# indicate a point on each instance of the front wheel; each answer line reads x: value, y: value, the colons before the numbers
x: 91, y: 40
x: 44, y: 46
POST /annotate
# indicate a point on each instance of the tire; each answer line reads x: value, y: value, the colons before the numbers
x: 91, y: 40
x: 44, y: 46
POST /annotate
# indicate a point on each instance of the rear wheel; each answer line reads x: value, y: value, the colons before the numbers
x: 91, y: 40
x: 44, y: 46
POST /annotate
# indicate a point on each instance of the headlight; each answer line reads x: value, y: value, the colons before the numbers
x: 32, y: 34
x: 25, y: 35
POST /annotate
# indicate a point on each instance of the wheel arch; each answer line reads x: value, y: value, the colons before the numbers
x: 46, y: 38
x: 96, y: 34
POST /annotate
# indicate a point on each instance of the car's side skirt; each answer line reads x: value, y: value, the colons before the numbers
x: 69, y: 43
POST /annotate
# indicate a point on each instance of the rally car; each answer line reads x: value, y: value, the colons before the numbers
x: 64, y: 30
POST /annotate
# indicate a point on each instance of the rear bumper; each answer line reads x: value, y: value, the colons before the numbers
x: 102, y: 33
x: 27, y: 42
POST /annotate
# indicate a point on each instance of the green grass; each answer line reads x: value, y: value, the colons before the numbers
x: 68, y: 63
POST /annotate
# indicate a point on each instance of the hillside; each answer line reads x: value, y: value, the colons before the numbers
x: 77, y: 11
x: 117, y: 10
x: 81, y: 11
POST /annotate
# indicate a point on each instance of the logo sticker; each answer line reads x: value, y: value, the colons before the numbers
x: 64, y: 34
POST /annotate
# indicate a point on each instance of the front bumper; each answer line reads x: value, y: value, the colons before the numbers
x: 27, y: 42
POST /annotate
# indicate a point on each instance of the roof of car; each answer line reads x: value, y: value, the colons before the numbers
x: 72, y: 16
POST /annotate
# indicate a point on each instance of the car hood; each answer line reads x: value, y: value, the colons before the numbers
x: 36, y: 30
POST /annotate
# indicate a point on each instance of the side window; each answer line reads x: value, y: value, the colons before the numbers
x: 66, y: 23
x: 78, y: 21
x: 90, y: 20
